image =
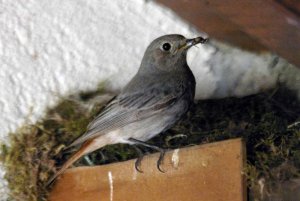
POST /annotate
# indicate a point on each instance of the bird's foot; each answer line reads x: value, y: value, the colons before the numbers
x: 161, y: 159
x: 138, y: 161
x: 161, y: 156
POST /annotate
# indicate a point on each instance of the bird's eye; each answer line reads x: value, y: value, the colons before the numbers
x: 166, y: 46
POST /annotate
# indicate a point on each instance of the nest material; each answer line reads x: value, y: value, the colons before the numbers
x: 269, y: 122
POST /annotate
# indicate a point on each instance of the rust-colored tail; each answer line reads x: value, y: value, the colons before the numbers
x: 84, y: 149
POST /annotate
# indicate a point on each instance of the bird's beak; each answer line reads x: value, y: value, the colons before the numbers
x: 191, y: 42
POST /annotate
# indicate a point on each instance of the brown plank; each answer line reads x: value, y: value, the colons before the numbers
x: 293, y: 5
x: 207, y: 19
x: 212, y: 172
x: 261, y: 22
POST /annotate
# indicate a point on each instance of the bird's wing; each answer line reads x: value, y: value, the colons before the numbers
x: 128, y: 108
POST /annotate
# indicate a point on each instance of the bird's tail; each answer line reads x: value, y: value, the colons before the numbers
x: 84, y: 149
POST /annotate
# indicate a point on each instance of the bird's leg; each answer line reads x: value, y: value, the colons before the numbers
x: 88, y: 160
x: 137, y: 164
x: 161, y: 150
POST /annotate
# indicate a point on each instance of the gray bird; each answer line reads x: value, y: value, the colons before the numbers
x: 154, y: 100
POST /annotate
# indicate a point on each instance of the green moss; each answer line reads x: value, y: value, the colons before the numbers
x: 269, y: 123
x: 36, y: 150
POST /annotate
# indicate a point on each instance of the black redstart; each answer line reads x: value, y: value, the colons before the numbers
x: 153, y: 101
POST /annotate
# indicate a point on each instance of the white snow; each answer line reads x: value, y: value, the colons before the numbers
x: 49, y: 49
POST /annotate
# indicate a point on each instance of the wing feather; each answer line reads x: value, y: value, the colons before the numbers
x: 128, y: 108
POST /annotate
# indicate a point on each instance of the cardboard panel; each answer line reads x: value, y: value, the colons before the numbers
x: 211, y: 172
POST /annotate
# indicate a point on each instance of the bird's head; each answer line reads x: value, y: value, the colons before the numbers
x: 168, y: 52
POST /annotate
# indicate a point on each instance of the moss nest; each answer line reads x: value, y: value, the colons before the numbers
x: 269, y: 122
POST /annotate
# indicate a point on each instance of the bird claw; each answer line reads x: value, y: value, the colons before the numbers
x: 138, y: 161
x: 137, y: 164
x: 160, y: 160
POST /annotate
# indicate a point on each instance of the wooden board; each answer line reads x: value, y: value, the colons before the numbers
x: 250, y: 24
x: 211, y: 172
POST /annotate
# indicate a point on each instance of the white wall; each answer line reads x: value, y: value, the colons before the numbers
x: 52, y: 48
